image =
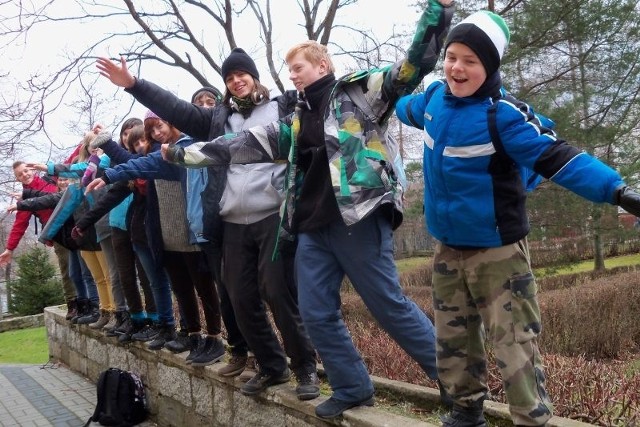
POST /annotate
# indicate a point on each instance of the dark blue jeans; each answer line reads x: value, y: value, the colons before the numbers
x: 160, y: 284
x: 81, y: 278
x: 364, y: 252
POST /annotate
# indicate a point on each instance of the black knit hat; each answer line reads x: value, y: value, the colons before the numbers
x: 238, y: 60
x: 212, y: 90
x: 486, y: 34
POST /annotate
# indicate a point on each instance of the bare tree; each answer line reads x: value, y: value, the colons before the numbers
x: 190, y: 38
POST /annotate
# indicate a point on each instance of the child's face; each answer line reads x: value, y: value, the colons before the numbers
x: 161, y: 132
x: 205, y: 100
x: 62, y: 183
x: 303, y: 73
x: 240, y: 83
x: 463, y: 69
x: 140, y: 146
x: 23, y: 174
x: 125, y: 135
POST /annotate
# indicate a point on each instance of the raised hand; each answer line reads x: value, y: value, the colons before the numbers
x: 94, y: 185
x: 37, y: 166
x: 118, y: 73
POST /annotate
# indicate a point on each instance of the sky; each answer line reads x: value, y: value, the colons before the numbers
x: 44, y: 50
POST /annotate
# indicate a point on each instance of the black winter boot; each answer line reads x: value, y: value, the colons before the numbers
x: 135, y: 326
x: 93, y: 314
x: 82, y: 309
x: 464, y: 417
x: 196, y: 342
x: 72, y: 308
x: 212, y: 351
x: 167, y: 333
x: 180, y: 344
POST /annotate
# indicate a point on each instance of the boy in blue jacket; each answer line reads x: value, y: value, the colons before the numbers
x: 474, y: 202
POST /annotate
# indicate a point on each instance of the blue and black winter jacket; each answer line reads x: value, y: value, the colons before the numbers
x: 474, y: 196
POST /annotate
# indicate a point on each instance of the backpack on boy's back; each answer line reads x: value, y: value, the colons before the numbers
x: 121, y: 399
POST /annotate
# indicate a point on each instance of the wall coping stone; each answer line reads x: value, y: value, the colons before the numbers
x: 22, y: 322
x: 180, y: 394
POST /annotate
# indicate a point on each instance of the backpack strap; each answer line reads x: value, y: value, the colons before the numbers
x: 530, y: 177
x: 354, y: 91
x: 111, y: 407
x: 492, y: 122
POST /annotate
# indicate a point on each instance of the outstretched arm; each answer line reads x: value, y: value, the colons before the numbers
x: 260, y: 144
x: 190, y: 119
x: 423, y: 53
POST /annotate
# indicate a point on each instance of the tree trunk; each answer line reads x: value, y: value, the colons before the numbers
x: 598, y: 253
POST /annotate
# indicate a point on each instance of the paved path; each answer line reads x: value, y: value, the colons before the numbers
x: 45, y: 395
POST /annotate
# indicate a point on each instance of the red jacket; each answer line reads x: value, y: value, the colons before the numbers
x: 22, y: 217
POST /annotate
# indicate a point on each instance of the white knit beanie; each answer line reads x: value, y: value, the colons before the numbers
x: 486, y: 34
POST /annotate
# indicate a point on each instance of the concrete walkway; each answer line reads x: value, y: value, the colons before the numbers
x: 45, y: 395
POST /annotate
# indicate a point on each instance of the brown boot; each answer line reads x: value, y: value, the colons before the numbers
x: 72, y: 308
x: 104, y: 318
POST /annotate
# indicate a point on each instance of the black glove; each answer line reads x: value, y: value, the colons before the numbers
x: 628, y: 200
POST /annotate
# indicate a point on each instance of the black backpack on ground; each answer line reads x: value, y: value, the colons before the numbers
x: 121, y: 399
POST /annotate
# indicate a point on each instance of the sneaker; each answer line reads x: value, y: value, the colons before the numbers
x: 308, y: 386
x: 147, y: 333
x: 333, y: 407
x: 234, y: 367
x: 212, y: 351
x: 195, y: 345
x: 167, y: 333
x: 180, y: 344
x: 464, y: 417
x: 262, y: 380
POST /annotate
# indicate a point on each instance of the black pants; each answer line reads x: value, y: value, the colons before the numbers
x: 251, y: 277
x: 189, y: 273
x: 235, y: 339
x: 130, y: 272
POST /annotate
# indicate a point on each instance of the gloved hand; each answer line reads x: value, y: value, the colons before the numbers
x: 76, y: 233
x: 100, y: 140
x: 628, y: 199
x: 92, y: 168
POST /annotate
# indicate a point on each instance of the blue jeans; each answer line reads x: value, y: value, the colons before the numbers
x: 82, y: 278
x: 160, y: 285
x: 364, y: 252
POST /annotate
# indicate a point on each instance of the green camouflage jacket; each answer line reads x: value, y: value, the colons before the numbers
x: 361, y: 157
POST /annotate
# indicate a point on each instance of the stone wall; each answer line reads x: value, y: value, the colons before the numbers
x: 182, y: 395
x: 22, y: 322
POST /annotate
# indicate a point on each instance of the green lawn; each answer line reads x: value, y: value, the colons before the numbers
x: 584, y: 266
x: 408, y: 264
x: 24, y: 346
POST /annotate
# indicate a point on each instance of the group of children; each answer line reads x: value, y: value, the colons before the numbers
x: 292, y: 193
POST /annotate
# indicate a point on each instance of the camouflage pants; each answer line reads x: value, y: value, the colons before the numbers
x: 489, y: 294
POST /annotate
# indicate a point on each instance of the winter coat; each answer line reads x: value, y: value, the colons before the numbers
x: 153, y: 167
x: 62, y: 221
x: 21, y: 222
x: 361, y: 163
x: 204, y: 124
x: 474, y: 196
